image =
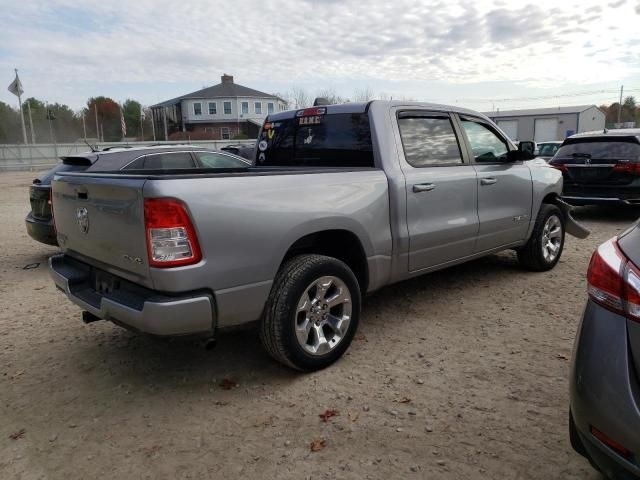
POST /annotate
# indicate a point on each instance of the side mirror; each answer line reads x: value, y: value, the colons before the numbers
x: 525, y: 152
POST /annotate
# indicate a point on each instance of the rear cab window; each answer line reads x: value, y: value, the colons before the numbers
x: 315, y: 138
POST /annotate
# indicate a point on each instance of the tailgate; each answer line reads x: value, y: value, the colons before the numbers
x: 100, y: 220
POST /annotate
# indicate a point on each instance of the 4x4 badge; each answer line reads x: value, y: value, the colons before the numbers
x: 82, y: 215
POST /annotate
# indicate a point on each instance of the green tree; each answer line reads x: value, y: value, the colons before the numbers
x: 108, y: 118
x: 10, y: 129
x: 131, y: 112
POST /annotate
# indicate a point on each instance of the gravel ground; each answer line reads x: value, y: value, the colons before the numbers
x: 458, y: 374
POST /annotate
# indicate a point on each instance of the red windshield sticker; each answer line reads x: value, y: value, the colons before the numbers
x: 315, y: 120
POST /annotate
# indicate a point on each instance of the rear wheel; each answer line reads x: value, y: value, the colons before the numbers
x: 544, y: 248
x: 312, y: 312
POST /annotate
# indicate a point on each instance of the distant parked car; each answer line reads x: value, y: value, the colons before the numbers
x: 600, y: 167
x: 604, y: 418
x: 546, y: 150
x: 39, y: 220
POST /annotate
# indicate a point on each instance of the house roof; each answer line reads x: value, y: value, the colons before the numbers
x: 538, y: 111
x: 227, y: 88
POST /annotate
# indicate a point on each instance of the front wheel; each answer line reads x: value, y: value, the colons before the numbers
x: 544, y: 248
x: 312, y: 312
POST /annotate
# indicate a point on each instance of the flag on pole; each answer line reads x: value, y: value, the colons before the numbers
x: 123, y: 125
x: 16, y: 86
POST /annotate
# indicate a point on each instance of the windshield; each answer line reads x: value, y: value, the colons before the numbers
x: 337, y: 140
x: 609, y: 149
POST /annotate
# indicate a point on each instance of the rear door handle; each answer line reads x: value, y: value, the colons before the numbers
x: 423, y: 187
x: 488, y: 181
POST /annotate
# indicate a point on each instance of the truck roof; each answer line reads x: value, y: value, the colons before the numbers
x: 361, y: 107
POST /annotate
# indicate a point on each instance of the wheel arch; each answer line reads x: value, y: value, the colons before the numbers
x: 338, y: 243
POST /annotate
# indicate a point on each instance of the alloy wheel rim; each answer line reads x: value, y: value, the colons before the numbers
x: 551, y: 238
x: 323, y: 315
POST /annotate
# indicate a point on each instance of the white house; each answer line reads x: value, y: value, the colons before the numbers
x: 221, y: 112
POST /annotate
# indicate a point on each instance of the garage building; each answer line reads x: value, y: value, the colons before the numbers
x: 547, y: 124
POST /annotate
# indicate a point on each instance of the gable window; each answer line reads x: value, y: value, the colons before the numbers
x: 269, y: 107
x: 225, y: 133
x: 213, y: 108
x: 258, y: 107
x: 197, y: 108
x: 245, y: 108
x: 227, y: 108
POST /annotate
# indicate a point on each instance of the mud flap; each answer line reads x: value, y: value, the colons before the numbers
x: 571, y: 226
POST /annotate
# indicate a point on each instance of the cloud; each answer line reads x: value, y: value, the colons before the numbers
x: 65, y: 50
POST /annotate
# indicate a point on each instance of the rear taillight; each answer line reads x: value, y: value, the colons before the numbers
x: 559, y: 166
x: 613, y: 281
x: 630, y: 168
x: 171, y: 238
x: 50, y: 202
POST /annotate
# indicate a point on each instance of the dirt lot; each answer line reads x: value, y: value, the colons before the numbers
x: 459, y: 374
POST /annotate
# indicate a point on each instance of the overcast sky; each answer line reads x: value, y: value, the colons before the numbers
x: 473, y: 53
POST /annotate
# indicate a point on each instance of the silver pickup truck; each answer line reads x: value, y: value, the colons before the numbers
x: 341, y: 200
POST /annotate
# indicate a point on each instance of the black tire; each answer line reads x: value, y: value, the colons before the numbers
x: 277, y: 327
x: 531, y: 254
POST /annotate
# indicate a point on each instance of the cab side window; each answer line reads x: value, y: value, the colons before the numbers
x: 486, y: 145
x: 428, y: 140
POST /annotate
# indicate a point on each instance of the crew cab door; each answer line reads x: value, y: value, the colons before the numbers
x: 505, y: 189
x: 441, y: 189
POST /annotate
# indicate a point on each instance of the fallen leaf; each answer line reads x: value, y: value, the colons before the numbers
x: 318, y: 444
x: 17, y: 374
x: 19, y: 434
x: 228, y: 384
x: 562, y: 357
x: 403, y: 400
x: 353, y: 416
x: 327, y: 414
x: 151, y: 451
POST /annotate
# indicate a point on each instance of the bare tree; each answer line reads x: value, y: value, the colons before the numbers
x: 363, y: 95
x: 331, y: 96
x: 299, y: 98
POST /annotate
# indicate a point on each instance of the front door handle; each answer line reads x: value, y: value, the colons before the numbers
x: 423, y: 187
x: 488, y: 181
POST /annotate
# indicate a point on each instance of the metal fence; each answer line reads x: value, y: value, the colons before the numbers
x: 44, y: 155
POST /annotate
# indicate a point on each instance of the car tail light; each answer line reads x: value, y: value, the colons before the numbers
x: 171, y: 238
x: 559, y: 166
x: 613, y: 281
x: 629, y: 167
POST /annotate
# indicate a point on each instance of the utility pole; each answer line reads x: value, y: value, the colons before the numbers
x: 84, y: 127
x: 95, y: 109
x: 51, y: 117
x: 620, y: 104
x: 33, y: 133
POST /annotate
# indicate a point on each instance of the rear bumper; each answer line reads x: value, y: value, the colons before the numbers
x: 604, y: 392
x: 601, y: 195
x: 132, y: 306
x: 42, y: 231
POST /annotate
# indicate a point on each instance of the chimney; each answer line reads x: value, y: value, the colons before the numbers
x: 227, y: 78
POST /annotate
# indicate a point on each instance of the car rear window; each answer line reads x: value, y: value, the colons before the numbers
x: 334, y: 140
x: 603, y: 149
